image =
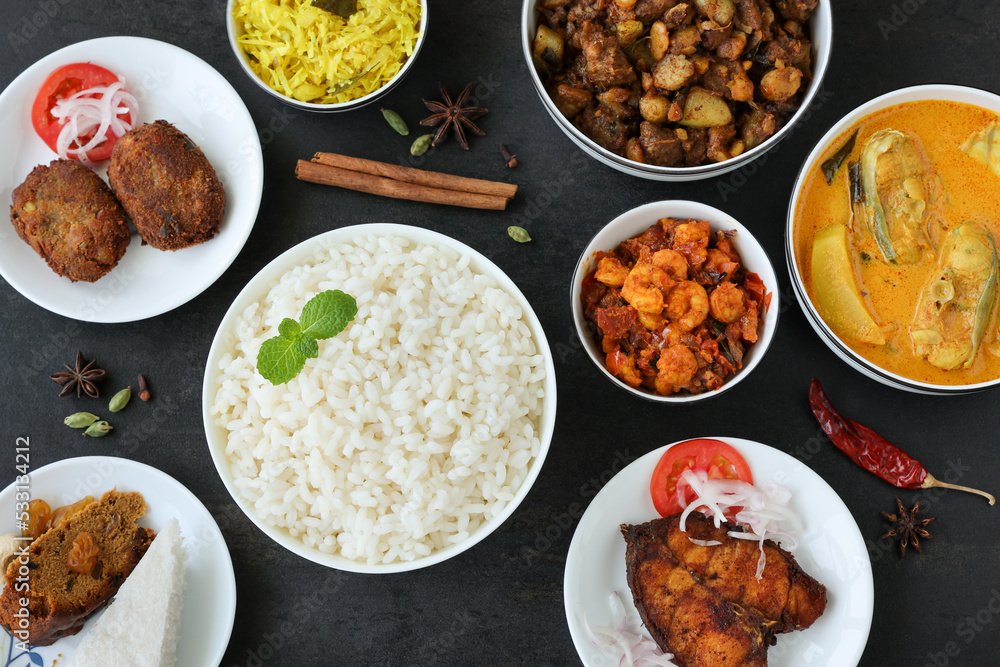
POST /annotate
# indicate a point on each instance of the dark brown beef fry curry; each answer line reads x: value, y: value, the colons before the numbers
x: 675, y: 84
x: 910, y: 219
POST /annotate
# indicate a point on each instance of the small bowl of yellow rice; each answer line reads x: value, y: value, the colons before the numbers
x: 326, y: 55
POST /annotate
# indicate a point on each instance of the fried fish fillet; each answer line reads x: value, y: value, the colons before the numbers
x: 705, y: 604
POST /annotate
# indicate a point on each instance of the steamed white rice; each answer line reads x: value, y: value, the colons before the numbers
x: 415, y: 425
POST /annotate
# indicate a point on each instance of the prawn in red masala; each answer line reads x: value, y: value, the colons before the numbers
x: 673, y: 308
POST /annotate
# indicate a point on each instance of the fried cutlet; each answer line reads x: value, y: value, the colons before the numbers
x: 705, y: 604
x: 72, y: 220
x: 167, y: 186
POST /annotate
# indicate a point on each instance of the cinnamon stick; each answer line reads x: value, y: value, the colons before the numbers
x: 325, y: 174
x: 417, y: 176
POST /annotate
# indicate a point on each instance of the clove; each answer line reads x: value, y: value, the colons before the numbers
x: 144, y: 394
x: 508, y: 157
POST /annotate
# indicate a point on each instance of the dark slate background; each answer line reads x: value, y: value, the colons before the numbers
x: 501, y: 602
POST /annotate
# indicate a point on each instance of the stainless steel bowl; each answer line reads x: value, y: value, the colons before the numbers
x: 822, y: 41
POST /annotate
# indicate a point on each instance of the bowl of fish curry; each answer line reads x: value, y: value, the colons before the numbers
x: 675, y: 301
x: 892, y: 239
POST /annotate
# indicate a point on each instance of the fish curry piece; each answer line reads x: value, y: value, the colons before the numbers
x: 888, y: 193
x: 958, y: 300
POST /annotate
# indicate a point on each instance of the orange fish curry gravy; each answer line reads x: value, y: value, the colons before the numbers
x: 958, y: 188
x: 673, y: 308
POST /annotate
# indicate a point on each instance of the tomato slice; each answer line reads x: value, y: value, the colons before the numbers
x: 716, y: 458
x: 60, y: 84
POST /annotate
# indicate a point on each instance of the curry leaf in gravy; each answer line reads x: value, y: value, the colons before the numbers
x: 724, y: 348
x: 342, y: 8
x: 550, y: 58
x: 831, y: 166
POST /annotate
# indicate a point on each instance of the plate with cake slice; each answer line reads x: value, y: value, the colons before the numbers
x: 126, y: 566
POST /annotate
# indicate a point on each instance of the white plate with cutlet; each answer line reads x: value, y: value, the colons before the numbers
x: 170, y: 84
x: 830, y: 548
x: 210, y: 594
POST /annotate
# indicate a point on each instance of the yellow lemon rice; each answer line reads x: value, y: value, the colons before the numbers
x: 305, y: 52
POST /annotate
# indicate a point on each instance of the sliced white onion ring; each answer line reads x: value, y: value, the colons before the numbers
x: 99, y: 110
x: 623, y: 638
x: 765, y: 512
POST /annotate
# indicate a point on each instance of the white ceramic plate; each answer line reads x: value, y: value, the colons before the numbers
x: 317, y: 249
x: 831, y: 549
x: 173, y: 85
x: 210, y: 598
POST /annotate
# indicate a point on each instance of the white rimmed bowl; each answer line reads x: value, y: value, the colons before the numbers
x: 822, y: 41
x: 311, y: 251
x: 235, y: 30
x: 945, y: 92
x: 634, y: 222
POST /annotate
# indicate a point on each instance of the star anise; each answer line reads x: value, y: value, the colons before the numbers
x: 82, y: 378
x: 907, y: 527
x: 453, y: 114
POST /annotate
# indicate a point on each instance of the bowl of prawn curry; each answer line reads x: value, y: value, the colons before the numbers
x: 892, y: 239
x: 674, y: 301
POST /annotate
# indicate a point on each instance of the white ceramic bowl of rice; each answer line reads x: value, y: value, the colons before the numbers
x: 419, y: 428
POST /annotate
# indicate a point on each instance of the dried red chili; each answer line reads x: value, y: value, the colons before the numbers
x: 873, y: 452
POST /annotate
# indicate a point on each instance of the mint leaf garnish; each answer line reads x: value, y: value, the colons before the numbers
x: 278, y: 361
x: 307, y: 347
x: 289, y: 327
x: 325, y: 315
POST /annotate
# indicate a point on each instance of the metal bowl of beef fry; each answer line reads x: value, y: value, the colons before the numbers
x: 675, y: 301
x: 326, y: 55
x: 891, y: 239
x: 676, y: 91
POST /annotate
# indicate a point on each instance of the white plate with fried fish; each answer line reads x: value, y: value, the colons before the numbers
x: 830, y: 549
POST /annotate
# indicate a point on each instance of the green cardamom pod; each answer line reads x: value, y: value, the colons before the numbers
x: 519, y: 234
x: 80, y: 420
x: 395, y: 121
x: 422, y: 143
x: 98, y: 429
x: 120, y: 400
